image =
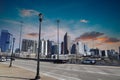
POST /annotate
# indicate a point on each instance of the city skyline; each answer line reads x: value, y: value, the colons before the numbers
x: 95, y: 22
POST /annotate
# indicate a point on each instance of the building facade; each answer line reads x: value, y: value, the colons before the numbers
x: 67, y: 44
x: 5, y: 41
x: 29, y: 46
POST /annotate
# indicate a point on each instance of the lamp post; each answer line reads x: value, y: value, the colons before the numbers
x: 38, y: 68
x: 20, y: 37
x: 58, y: 21
x: 12, y: 53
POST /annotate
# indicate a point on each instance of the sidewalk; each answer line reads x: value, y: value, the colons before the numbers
x: 15, y: 73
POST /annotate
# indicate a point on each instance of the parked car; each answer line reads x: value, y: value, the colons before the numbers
x: 2, y: 59
x: 88, y: 61
x: 9, y: 58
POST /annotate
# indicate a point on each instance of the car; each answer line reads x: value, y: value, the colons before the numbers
x: 88, y: 61
x: 7, y: 58
x: 2, y: 59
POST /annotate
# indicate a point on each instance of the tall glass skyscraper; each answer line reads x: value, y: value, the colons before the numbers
x: 5, y: 41
x: 67, y: 44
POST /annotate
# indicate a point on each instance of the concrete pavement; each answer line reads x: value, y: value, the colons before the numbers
x: 73, y: 71
x: 15, y: 73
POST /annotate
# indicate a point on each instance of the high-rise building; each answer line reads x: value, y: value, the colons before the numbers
x: 62, y: 47
x: 67, y: 44
x: 119, y: 49
x: 104, y: 53
x: 95, y: 52
x: 74, y: 49
x: 29, y: 46
x: 46, y: 47
x: 49, y: 47
x: 42, y: 49
x: 82, y: 49
x: 5, y: 41
x: 54, y: 49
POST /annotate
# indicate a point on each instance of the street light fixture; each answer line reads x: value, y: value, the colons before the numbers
x: 38, y: 56
x: 12, y: 53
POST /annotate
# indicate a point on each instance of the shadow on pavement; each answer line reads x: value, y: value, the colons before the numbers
x: 15, y: 77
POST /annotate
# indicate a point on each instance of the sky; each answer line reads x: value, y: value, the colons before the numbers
x: 94, y: 22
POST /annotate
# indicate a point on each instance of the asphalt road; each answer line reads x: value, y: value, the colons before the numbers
x: 72, y: 71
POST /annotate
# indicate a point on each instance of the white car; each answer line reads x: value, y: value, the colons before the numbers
x: 2, y: 59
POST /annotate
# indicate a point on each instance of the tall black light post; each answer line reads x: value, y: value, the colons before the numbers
x: 38, y: 56
x: 58, y: 21
x: 12, y: 53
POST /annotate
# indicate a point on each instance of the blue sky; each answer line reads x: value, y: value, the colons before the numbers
x: 77, y: 17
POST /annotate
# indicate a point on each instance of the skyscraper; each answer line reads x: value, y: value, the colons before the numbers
x: 42, y: 49
x: 5, y: 41
x: 29, y: 45
x: 46, y: 47
x: 67, y: 44
x: 49, y: 47
x: 74, y: 49
x: 119, y: 49
x: 62, y: 47
x: 82, y: 49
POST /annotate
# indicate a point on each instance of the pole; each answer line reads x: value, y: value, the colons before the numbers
x: 58, y: 37
x: 38, y: 58
x: 12, y: 53
x: 20, y: 37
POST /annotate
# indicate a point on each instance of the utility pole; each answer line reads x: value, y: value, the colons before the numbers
x: 20, y: 37
x: 12, y: 53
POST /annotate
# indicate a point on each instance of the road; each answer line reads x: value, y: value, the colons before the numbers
x: 72, y: 71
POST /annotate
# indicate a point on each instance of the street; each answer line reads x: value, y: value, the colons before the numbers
x: 71, y: 71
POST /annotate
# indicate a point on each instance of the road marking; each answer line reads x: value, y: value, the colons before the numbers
x: 63, y: 76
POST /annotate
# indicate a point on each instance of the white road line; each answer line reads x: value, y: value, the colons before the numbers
x: 64, y: 77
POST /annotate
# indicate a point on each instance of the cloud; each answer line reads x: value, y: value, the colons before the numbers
x: 83, y: 21
x: 112, y: 40
x: 32, y: 35
x: 108, y: 40
x: 102, y: 39
x: 89, y: 35
x: 28, y: 12
x: 11, y: 21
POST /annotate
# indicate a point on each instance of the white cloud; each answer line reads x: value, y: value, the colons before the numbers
x: 28, y: 12
x: 84, y: 21
x: 11, y: 21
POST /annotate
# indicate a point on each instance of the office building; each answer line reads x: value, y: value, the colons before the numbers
x: 82, y: 49
x: 95, y: 52
x: 74, y: 49
x: 67, y: 44
x: 54, y: 49
x: 62, y: 47
x: 29, y: 46
x: 49, y: 47
x: 104, y: 53
x: 119, y: 49
x: 5, y: 41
